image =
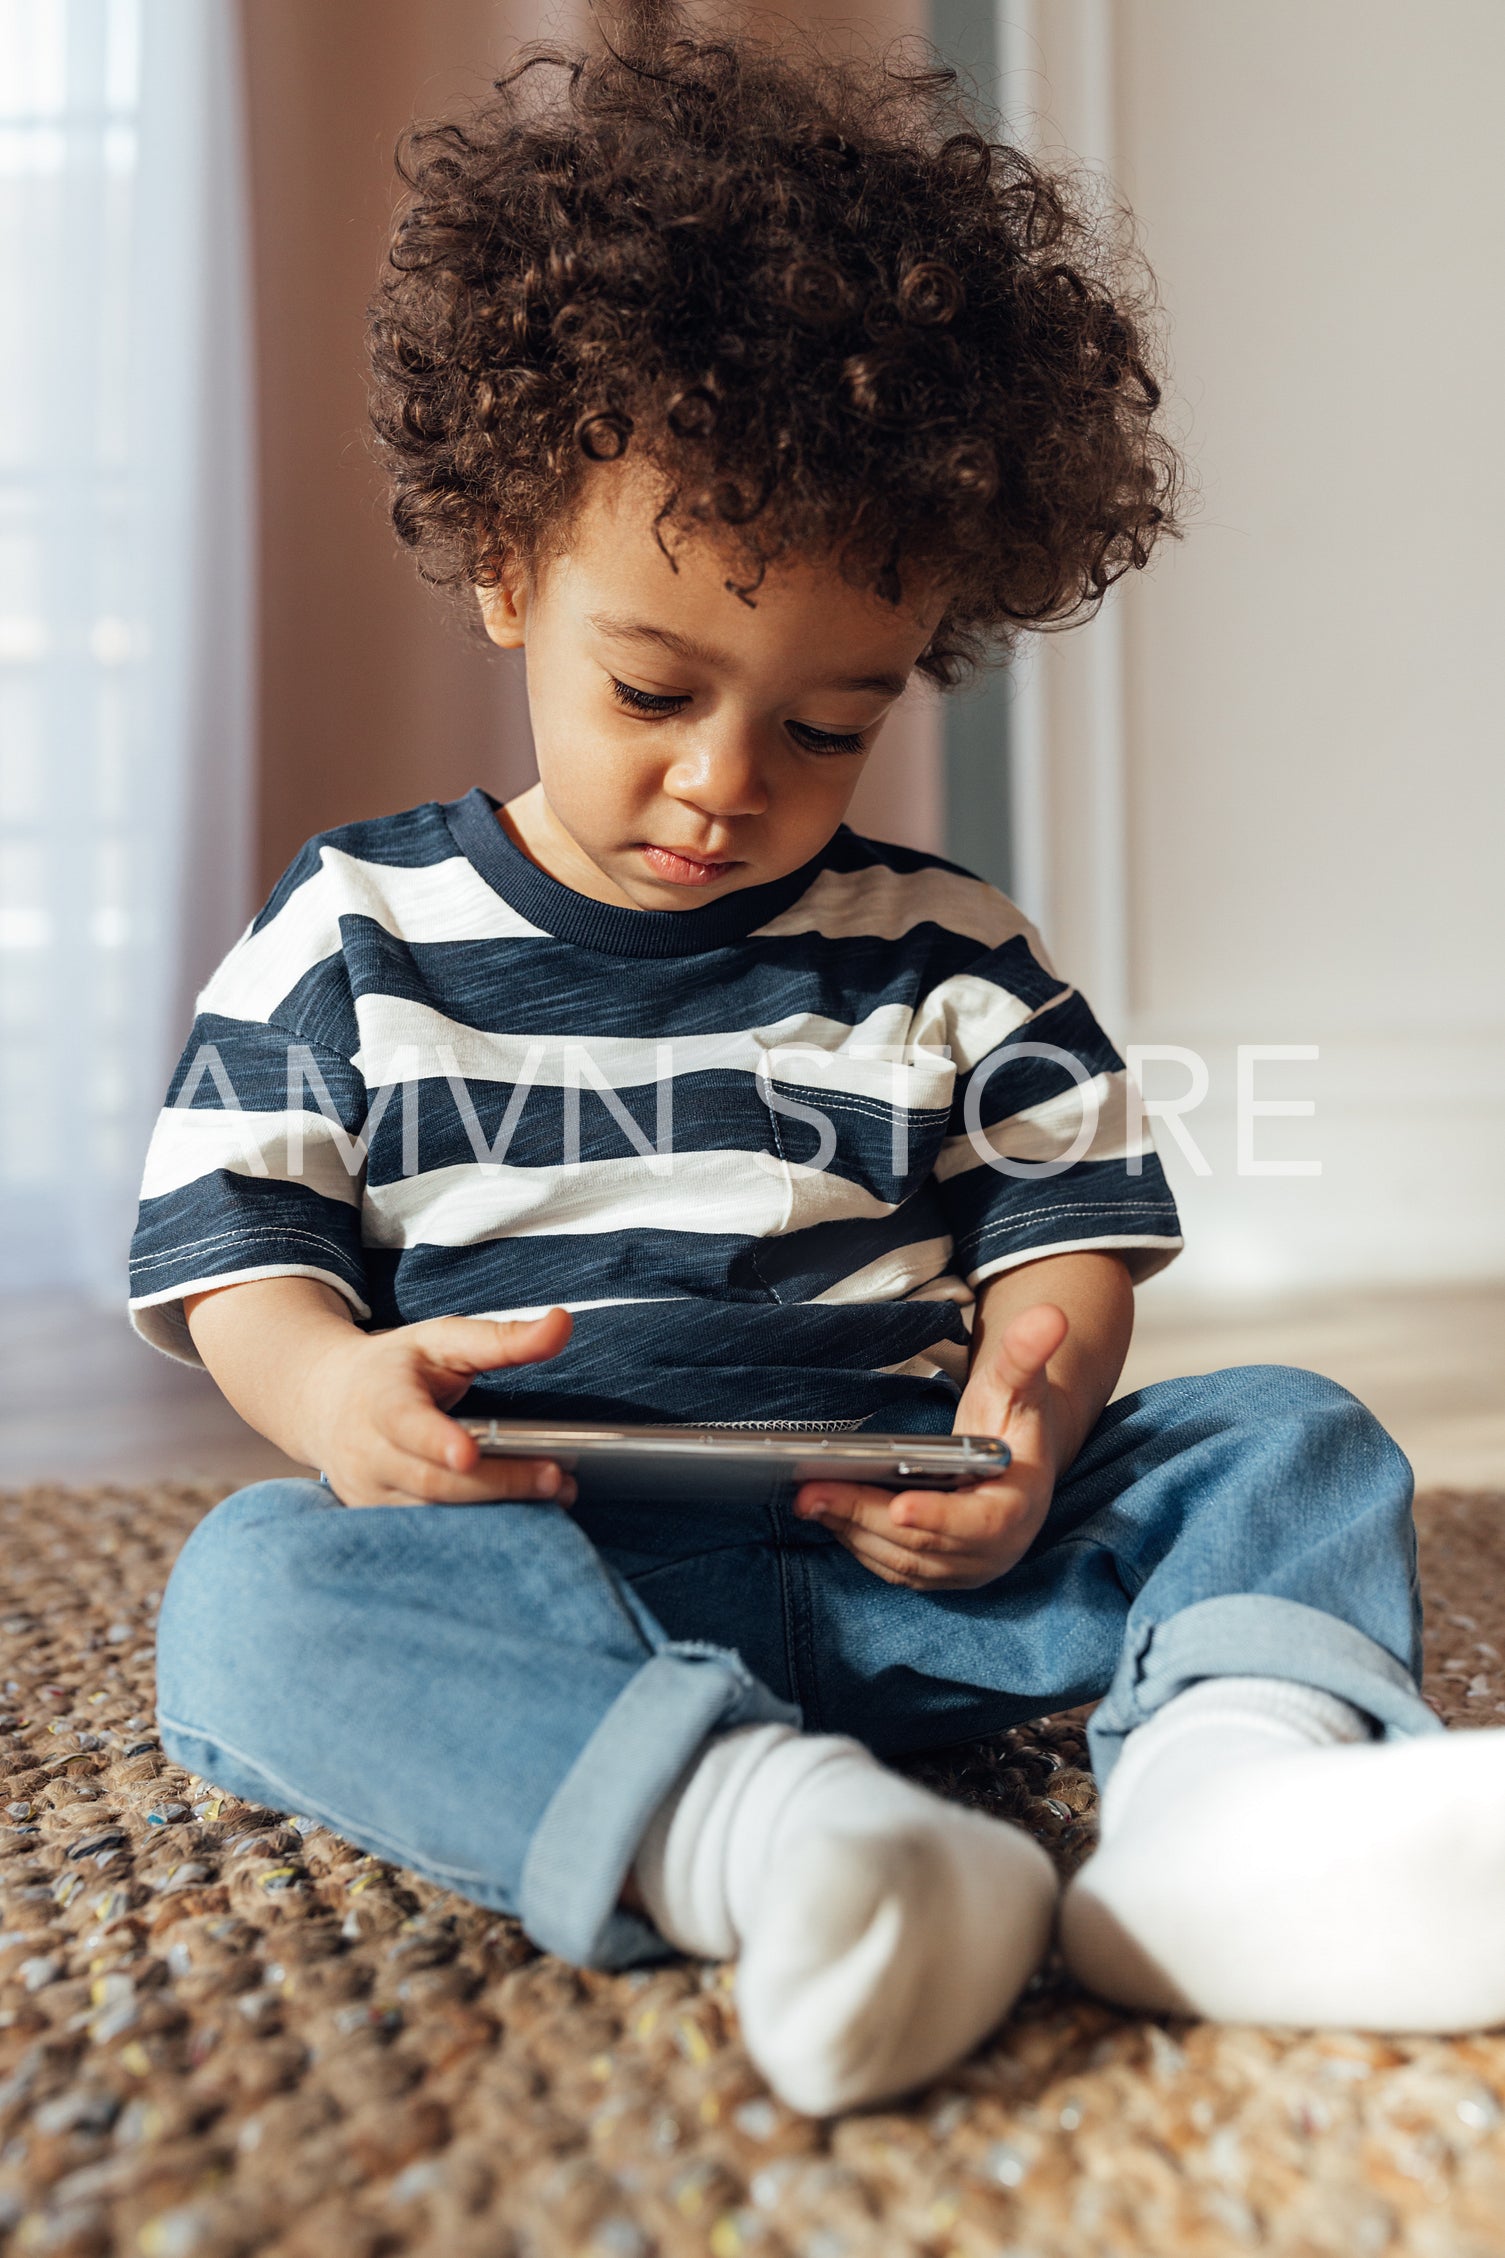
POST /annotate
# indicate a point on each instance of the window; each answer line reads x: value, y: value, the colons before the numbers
x: 124, y: 593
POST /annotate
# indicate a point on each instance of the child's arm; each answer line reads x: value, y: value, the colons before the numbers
x: 368, y: 1408
x: 1048, y: 1344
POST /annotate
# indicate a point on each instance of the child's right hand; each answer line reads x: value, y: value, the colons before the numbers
x: 368, y: 1409
x: 382, y: 1399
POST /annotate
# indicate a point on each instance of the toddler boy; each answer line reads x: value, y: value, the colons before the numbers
x: 740, y: 386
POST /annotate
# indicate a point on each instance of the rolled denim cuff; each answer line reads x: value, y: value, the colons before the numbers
x: 588, y: 1836
x: 1252, y: 1635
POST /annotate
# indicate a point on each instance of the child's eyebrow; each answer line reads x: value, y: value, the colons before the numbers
x: 684, y: 647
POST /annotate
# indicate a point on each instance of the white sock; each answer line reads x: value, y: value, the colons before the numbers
x: 1216, y: 1724
x: 882, y: 1932
x: 1264, y: 1860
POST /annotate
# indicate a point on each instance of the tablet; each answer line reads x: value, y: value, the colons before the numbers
x: 671, y: 1465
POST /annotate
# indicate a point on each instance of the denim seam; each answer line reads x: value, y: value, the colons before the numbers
x: 806, y: 1627
x: 616, y: 1582
x: 357, y: 1830
x: 783, y: 1561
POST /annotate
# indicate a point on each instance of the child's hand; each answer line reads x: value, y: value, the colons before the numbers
x: 374, y: 1407
x: 958, y: 1540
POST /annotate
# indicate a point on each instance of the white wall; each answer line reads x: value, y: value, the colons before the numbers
x: 1310, y: 689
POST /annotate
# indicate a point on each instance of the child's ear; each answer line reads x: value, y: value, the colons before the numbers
x: 504, y: 606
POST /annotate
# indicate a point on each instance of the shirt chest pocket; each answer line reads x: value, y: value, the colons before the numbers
x: 871, y: 1117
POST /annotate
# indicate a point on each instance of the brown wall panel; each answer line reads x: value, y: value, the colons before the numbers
x: 373, y: 695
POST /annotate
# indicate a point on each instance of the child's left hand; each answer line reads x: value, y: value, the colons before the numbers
x: 958, y: 1540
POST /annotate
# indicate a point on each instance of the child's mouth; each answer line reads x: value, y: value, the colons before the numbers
x: 684, y: 870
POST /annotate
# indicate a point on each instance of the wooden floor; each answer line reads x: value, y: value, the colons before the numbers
x: 82, y: 1400
x: 1430, y: 1365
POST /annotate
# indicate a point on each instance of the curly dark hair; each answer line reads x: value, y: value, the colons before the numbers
x: 834, y: 316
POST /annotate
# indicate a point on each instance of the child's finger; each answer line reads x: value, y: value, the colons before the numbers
x: 842, y: 1506
x: 439, y: 1451
x: 976, y: 1515
x: 491, y: 1344
x: 496, y: 1481
x: 920, y: 1571
x: 925, y: 1520
x: 841, y: 1501
x: 1027, y: 1345
x: 413, y: 1425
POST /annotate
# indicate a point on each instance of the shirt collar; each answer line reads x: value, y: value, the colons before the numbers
x: 614, y: 931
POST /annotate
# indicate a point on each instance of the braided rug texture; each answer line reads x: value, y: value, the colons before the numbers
x: 222, y: 2032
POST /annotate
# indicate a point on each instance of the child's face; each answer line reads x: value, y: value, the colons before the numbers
x: 690, y: 743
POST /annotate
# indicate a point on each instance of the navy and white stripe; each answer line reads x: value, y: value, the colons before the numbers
x: 755, y: 1146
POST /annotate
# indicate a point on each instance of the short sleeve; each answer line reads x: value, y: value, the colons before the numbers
x: 256, y: 1164
x: 1047, y: 1150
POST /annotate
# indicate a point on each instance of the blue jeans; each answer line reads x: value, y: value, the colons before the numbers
x: 499, y: 1696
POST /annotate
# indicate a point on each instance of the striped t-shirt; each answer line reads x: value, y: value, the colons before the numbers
x: 765, y: 1150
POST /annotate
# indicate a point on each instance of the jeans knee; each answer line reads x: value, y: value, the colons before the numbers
x: 1288, y: 1410
x: 225, y: 1587
x: 269, y: 1521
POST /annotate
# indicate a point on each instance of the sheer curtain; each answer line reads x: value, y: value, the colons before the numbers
x: 126, y: 586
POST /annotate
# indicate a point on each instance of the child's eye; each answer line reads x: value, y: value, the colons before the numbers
x: 645, y: 701
x: 826, y: 740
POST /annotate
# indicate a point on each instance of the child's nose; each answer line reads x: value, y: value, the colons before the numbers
x: 721, y: 774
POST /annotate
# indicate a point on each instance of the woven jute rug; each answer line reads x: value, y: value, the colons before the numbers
x: 221, y: 2032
